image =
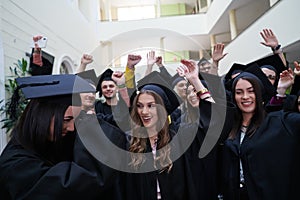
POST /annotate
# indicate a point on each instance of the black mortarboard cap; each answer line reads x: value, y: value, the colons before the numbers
x: 175, y: 79
x: 156, y: 83
x: 105, y: 76
x: 273, y: 60
x: 269, y: 89
x: 202, y: 61
x: 214, y: 83
x: 59, y: 89
x: 235, y: 68
x: 89, y: 75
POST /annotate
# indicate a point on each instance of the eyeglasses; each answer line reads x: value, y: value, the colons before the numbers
x: 271, y: 77
x: 205, y: 68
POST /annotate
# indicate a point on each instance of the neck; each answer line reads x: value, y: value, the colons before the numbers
x: 247, y: 119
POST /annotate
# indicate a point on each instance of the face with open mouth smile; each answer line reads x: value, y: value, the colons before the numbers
x: 147, y: 110
x: 192, y: 97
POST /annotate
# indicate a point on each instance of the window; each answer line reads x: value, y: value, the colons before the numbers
x: 135, y: 13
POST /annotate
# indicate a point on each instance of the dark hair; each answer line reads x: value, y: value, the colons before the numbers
x: 259, y: 112
x: 191, y: 114
x: 33, y: 129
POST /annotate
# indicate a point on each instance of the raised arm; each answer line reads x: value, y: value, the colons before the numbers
x: 85, y: 60
x: 132, y: 60
x: 270, y: 40
x: 190, y: 70
x: 119, y: 78
x: 151, y: 60
x: 37, y: 53
x: 217, y: 55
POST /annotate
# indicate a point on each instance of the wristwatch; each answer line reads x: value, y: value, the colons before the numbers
x: 276, y: 48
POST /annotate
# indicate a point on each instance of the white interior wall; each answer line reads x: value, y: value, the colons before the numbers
x: 68, y: 31
x: 283, y: 24
x: 3, y: 136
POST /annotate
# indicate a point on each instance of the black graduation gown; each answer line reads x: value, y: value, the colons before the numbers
x: 174, y: 185
x: 205, y: 170
x: 272, y: 158
x: 191, y: 177
x: 25, y: 174
x: 230, y: 168
x: 36, y: 70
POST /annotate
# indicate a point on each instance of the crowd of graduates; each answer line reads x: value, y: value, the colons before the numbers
x: 191, y: 135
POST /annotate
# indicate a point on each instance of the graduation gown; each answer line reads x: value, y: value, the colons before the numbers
x: 25, y: 174
x: 272, y: 158
x: 206, y: 170
x: 191, y: 177
x: 174, y: 185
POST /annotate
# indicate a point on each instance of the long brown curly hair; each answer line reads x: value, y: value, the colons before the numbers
x: 138, y: 144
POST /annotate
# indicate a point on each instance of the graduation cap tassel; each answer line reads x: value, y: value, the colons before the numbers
x: 12, y: 108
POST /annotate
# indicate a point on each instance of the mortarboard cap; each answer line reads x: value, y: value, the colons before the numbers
x: 202, y: 61
x: 59, y: 89
x: 175, y: 79
x: 214, y: 83
x: 53, y: 87
x: 269, y: 89
x: 234, y: 69
x: 273, y: 60
x: 89, y: 75
x: 156, y: 83
x: 105, y: 76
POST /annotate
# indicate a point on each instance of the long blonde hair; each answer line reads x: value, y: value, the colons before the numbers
x: 138, y: 144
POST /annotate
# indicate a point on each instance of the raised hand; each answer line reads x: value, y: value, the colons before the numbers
x: 86, y: 59
x: 35, y: 39
x: 151, y: 59
x: 132, y: 60
x: 159, y: 61
x: 270, y: 39
x: 286, y: 79
x: 118, y: 77
x: 188, y: 69
x: 218, y: 54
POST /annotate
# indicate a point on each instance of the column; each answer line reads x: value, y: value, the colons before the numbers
x: 232, y: 23
x: 201, y: 54
x: 212, y: 42
x: 208, y: 3
x: 157, y: 8
x: 162, y: 47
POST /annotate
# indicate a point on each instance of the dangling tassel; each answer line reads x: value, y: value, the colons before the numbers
x: 12, y: 108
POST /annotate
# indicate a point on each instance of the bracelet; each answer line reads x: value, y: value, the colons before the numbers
x: 122, y: 85
x: 206, y: 97
x: 201, y: 92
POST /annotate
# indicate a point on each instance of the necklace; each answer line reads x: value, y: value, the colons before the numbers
x: 154, y: 142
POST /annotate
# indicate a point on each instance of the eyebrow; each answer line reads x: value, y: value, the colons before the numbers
x: 246, y: 88
x: 147, y: 103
